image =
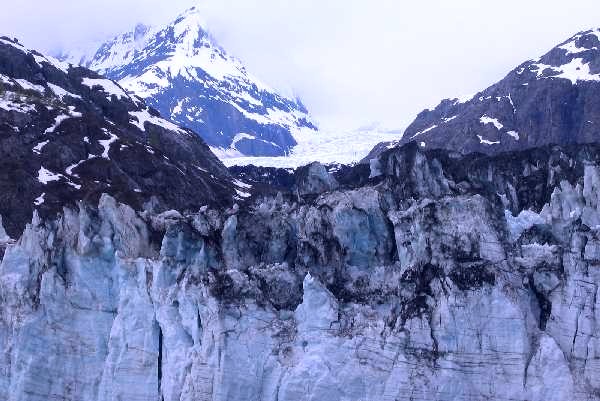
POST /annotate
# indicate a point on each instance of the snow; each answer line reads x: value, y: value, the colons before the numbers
x: 147, y: 84
x: 69, y: 170
x: 230, y: 154
x: 344, y: 147
x: 487, y: 142
x: 571, y: 48
x: 144, y: 116
x: 284, y: 118
x: 241, y: 184
x: 448, y: 119
x: 191, y: 50
x: 61, y: 93
x: 178, y: 108
x: 108, y: 86
x: 512, y: 103
x: 39, y: 59
x: 241, y: 136
x: 106, y: 143
x: 25, y: 84
x: 242, y: 193
x: 57, y: 122
x: 5, y: 80
x: 38, y: 148
x: 424, y: 131
x: 61, y: 118
x: 488, y: 120
x: 39, y: 200
x: 11, y: 101
x: 576, y: 70
x: 464, y: 99
x: 514, y: 134
x: 45, y: 176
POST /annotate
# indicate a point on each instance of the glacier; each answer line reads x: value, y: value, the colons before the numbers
x: 421, y: 285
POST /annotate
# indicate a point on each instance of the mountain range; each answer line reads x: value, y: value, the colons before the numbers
x: 181, y: 71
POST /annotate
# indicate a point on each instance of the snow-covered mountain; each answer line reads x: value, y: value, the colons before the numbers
x: 181, y: 71
x: 549, y: 100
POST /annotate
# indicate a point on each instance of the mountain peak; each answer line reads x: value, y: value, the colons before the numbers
x: 190, y: 27
x: 182, y: 72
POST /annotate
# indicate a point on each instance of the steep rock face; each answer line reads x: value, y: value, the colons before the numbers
x: 441, y: 279
x: 181, y: 71
x: 68, y: 134
x: 549, y: 100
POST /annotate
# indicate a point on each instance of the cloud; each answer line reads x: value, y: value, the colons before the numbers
x: 352, y: 61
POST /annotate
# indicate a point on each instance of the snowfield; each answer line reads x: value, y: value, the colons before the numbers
x: 343, y: 147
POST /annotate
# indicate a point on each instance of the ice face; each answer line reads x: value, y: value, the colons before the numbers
x: 351, y: 296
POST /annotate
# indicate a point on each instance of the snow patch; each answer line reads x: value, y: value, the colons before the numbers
x: 464, y: 99
x: 108, y: 86
x: 425, y: 131
x: 45, y: 176
x: 514, y: 134
x: 25, y: 84
x: 37, y: 149
x: 39, y: 200
x: 62, y: 93
x: 107, y: 142
x: 144, y: 116
x: 242, y: 194
x: 576, y: 70
x: 242, y: 184
x: 487, y: 142
x: 488, y: 120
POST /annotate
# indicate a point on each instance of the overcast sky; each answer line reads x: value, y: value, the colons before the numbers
x: 352, y: 62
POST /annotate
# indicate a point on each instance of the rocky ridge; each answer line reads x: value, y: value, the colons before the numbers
x: 548, y: 100
x: 68, y: 134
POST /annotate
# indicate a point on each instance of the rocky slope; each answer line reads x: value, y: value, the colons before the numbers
x: 549, y: 100
x: 440, y: 277
x: 68, y: 134
x: 183, y: 73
